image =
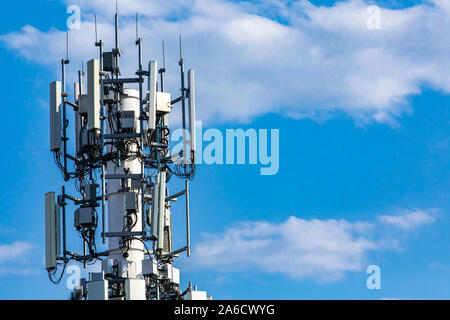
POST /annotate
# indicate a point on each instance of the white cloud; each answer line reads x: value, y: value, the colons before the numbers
x: 299, y: 248
x: 12, y: 257
x: 409, y: 220
x: 14, y: 251
x: 320, y: 61
x: 18, y: 271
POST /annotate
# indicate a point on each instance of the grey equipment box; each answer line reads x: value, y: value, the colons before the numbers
x: 84, y: 217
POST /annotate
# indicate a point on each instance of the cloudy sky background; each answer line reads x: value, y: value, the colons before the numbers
x: 364, y: 135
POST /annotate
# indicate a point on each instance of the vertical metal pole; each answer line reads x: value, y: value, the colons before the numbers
x: 188, y: 226
x: 63, y: 95
x: 103, y: 164
x: 84, y: 253
x: 162, y: 80
x: 63, y: 204
x: 116, y: 55
x: 63, y: 81
x: 103, y: 203
x: 141, y: 125
x: 77, y: 114
x: 156, y: 185
x: 80, y: 83
x: 157, y: 290
x: 102, y: 132
x: 117, y: 50
x: 100, y: 44
x: 163, y: 69
x: 183, y: 104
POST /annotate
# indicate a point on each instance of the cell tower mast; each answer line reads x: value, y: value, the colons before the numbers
x: 121, y: 168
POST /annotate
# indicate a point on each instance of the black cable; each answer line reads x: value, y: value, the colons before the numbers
x: 145, y: 246
x: 51, y: 273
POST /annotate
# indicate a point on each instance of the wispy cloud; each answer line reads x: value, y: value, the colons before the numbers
x: 12, y: 257
x: 14, y: 251
x: 409, y: 220
x: 299, y: 248
x: 292, y: 58
x: 11, y: 271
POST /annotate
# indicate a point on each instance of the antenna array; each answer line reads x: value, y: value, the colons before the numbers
x: 121, y: 169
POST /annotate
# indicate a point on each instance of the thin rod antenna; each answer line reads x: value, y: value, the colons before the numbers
x: 80, y: 78
x: 67, y: 45
x: 183, y: 103
x: 164, y: 56
x: 116, y: 28
x: 163, y: 69
x: 95, y: 22
x: 137, y: 27
x: 117, y: 50
x: 141, y: 119
x: 181, y: 56
x: 98, y: 43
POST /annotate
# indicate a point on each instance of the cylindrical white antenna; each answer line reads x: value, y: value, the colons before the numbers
x: 153, y: 66
x: 116, y: 32
x: 95, y: 22
x: 181, y: 53
x: 67, y: 45
x: 137, y: 27
x: 164, y: 56
x: 163, y: 69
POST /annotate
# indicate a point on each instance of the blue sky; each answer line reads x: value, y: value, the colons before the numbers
x: 364, y: 170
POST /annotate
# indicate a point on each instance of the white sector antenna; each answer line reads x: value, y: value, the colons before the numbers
x: 93, y: 69
x: 55, y: 116
x: 52, y: 239
x: 77, y: 98
x: 152, y: 79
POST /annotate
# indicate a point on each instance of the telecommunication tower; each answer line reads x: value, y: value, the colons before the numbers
x: 121, y: 168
